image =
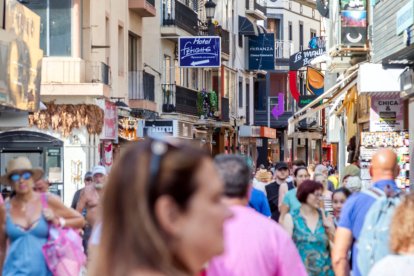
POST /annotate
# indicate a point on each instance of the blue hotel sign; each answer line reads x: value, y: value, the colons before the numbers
x: 199, y: 51
x: 262, y: 52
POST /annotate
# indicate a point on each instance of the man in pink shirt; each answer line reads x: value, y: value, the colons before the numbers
x: 254, y: 244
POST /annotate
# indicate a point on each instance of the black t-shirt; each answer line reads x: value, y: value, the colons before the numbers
x: 272, y: 190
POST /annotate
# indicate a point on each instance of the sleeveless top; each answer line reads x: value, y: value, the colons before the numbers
x: 24, y: 256
x: 313, y: 247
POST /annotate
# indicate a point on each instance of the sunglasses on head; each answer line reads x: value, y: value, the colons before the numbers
x: 89, y: 179
x: 14, y: 177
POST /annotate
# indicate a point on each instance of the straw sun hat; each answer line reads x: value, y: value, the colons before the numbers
x: 263, y: 176
x: 20, y: 164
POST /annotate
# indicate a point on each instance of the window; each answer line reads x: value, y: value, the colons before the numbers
x: 107, y: 41
x: 240, y: 92
x: 121, y: 58
x: 240, y: 40
x: 312, y: 33
x: 55, y: 26
x: 167, y: 70
x: 132, y: 53
x: 300, y: 36
x: 290, y: 32
x: 2, y: 8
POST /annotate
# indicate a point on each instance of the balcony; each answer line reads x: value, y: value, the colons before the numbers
x: 179, y: 99
x: 63, y: 76
x: 283, y: 49
x: 145, y: 8
x: 141, y: 90
x: 225, y: 110
x: 178, y: 19
x: 256, y: 9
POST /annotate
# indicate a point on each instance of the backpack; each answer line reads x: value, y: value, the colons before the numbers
x: 373, y: 241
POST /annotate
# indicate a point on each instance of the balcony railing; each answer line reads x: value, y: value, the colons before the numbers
x: 225, y: 112
x: 225, y: 41
x: 141, y: 86
x: 283, y: 49
x: 177, y: 14
x: 97, y: 72
x: 256, y: 5
x: 179, y: 99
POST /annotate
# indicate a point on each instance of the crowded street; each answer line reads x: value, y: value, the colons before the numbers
x: 206, y: 137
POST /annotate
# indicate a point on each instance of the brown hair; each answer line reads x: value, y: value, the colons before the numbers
x: 402, y: 226
x: 306, y: 188
x: 131, y: 236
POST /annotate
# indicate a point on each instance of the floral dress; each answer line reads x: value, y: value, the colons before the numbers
x: 313, y: 247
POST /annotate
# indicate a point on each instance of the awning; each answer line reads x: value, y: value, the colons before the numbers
x: 247, y: 27
x: 330, y: 95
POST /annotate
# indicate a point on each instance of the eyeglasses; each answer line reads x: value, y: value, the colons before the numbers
x: 17, y: 176
x: 159, y: 147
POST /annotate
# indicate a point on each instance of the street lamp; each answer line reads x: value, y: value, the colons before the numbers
x: 210, y: 7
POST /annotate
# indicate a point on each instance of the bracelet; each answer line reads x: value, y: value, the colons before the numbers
x: 62, y: 222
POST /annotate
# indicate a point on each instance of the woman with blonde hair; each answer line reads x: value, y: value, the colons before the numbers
x: 162, y: 212
x: 401, y: 262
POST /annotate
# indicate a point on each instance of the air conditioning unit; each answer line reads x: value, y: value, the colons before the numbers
x: 407, y: 80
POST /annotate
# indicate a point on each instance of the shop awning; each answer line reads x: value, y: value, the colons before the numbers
x: 247, y: 27
x: 329, y: 96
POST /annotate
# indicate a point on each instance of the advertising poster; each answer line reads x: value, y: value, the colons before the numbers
x: 353, y: 22
x: 387, y: 114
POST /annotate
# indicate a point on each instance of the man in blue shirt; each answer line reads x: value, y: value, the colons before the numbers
x: 384, y: 169
x: 258, y: 201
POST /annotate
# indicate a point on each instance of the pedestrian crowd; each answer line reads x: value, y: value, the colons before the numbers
x: 169, y: 208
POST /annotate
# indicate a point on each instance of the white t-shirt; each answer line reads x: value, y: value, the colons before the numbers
x: 393, y: 265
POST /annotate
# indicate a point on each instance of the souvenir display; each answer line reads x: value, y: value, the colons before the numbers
x: 398, y: 141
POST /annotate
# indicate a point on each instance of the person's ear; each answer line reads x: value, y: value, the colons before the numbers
x: 371, y: 170
x: 396, y: 171
x: 167, y: 214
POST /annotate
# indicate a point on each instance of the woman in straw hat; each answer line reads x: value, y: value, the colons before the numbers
x: 25, y: 221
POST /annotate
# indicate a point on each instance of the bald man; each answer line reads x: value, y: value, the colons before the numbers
x: 383, y: 170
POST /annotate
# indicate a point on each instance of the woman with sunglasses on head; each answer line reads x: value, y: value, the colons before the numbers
x: 25, y: 221
x: 311, y: 230
x: 163, y: 212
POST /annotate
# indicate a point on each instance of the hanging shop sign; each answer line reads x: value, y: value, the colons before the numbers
x: 262, y: 52
x: 199, y: 51
x: 303, y: 58
x: 387, y: 114
x: 315, y: 81
x: 20, y: 57
x: 304, y: 100
x: 353, y: 22
x: 405, y: 17
x: 267, y: 132
x: 173, y: 128
x: 110, y: 128
x: 249, y: 131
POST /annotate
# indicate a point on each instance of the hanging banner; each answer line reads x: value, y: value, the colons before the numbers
x: 293, y: 85
x: 110, y: 129
x: 262, y: 52
x: 303, y: 58
x: 20, y: 57
x: 315, y: 81
x: 386, y: 114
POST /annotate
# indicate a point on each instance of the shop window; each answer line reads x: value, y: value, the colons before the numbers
x: 55, y: 25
